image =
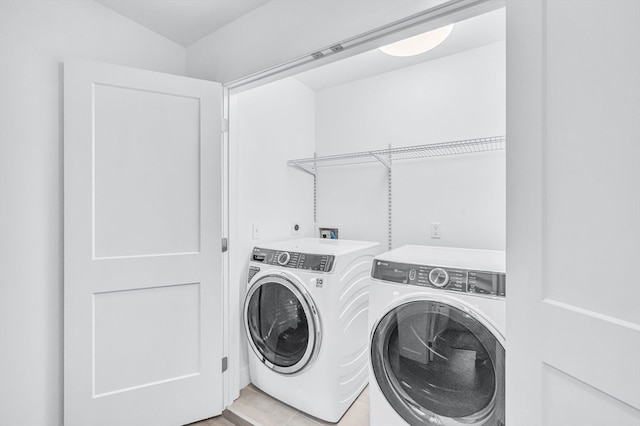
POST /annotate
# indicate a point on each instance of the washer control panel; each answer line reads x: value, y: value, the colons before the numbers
x: 452, y: 279
x: 290, y: 259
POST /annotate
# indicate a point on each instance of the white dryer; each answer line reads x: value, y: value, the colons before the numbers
x: 306, y: 320
x: 437, y: 337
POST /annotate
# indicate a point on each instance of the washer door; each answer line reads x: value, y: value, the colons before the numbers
x: 282, y: 323
x: 437, y: 364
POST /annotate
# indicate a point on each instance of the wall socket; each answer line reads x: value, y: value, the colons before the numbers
x: 435, y: 230
x: 295, y: 228
x: 255, y: 231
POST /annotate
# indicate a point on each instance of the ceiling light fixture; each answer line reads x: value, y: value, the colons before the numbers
x: 418, y: 44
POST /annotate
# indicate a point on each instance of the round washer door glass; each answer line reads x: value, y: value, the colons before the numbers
x: 279, y: 326
x: 436, y: 364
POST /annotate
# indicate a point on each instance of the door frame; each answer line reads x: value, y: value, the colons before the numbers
x: 446, y: 12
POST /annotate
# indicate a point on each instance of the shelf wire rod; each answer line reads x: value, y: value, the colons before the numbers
x: 418, y: 151
x: 351, y: 163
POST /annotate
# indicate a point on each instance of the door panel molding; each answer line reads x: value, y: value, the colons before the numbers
x: 579, y: 343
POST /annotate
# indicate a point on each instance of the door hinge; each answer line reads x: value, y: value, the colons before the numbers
x: 225, y: 125
x: 224, y: 364
x: 225, y: 244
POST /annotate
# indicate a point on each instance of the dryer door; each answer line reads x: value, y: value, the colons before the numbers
x: 282, y: 323
x: 438, y: 364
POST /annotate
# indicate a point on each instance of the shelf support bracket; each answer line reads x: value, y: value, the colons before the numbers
x: 383, y: 160
x: 307, y: 168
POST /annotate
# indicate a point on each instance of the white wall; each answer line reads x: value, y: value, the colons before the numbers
x: 268, y: 126
x: 35, y: 38
x: 282, y: 30
x: 457, y: 97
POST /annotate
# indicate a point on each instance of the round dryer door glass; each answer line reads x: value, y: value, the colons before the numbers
x: 437, y: 364
x: 279, y: 326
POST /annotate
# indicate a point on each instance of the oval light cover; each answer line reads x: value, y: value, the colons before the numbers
x: 418, y: 44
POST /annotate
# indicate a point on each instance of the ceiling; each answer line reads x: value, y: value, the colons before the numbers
x: 183, y: 21
x: 468, y: 34
x: 186, y: 21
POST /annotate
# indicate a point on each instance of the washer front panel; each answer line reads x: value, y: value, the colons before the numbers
x: 282, y: 323
x: 436, y: 363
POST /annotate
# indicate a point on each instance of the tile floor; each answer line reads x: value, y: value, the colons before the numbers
x: 254, y: 407
x: 213, y: 421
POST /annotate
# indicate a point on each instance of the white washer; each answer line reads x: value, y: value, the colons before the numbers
x: 306, y: 319
x: 437, y: 337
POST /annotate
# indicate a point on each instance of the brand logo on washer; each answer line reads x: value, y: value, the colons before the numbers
x: 319, y: 282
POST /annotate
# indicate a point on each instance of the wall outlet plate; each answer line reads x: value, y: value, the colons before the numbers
x: 435, y: 230
x: 295, y: 228
x: 256, y: 231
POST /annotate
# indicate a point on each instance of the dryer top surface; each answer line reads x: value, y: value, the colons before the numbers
x: 319, y: 246
x: 481, y: 260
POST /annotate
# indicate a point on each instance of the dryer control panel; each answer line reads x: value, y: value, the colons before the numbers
x: 452, y: 279
x: 289, y: 259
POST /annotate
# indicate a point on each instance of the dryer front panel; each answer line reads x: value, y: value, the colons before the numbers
x: 438, y: 364
x: 281, y: 323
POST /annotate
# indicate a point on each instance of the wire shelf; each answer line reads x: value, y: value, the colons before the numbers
x: 386, y: 156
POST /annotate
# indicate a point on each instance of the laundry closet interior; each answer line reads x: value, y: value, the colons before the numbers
x: 154, y: 156
x: 396, y: 150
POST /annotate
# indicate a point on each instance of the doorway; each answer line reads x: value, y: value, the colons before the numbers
x: 353, y: 106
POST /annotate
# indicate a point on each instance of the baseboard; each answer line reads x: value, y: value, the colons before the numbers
x: 244, y: 376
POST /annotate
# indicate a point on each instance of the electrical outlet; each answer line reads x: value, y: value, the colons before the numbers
x: 256, y: 231
x: 435, y: 230
x: 295, y: 228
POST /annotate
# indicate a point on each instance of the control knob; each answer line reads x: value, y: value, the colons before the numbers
x: 438, y: 277
x: 283, y: 258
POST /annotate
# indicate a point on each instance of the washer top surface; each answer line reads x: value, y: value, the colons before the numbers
x: 319, y: 246
x: 482, y: 260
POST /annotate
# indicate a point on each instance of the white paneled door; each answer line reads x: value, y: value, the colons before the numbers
x: 143, y: 282
x: 573, y: 213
